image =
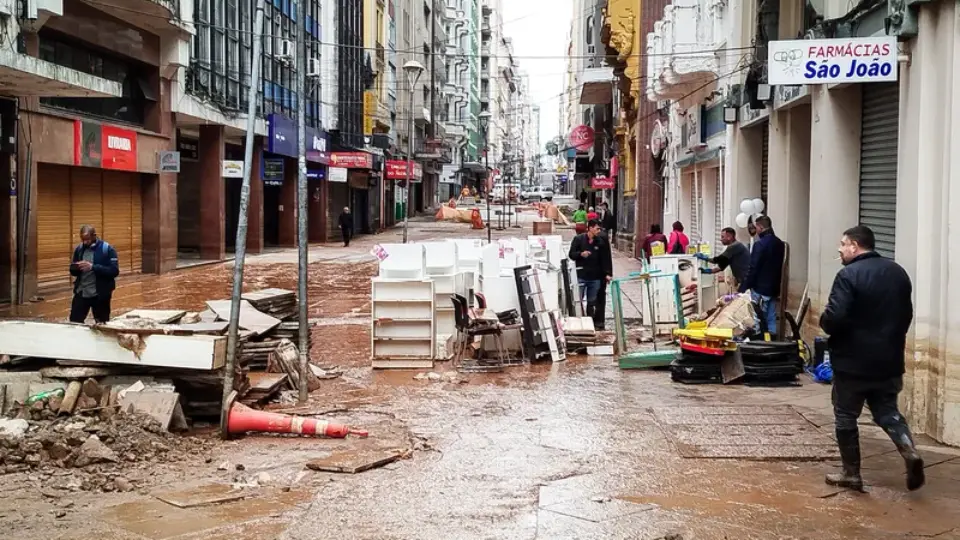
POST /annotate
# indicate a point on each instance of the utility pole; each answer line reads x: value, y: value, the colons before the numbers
x: 241, y: 244
x: 302, y: 240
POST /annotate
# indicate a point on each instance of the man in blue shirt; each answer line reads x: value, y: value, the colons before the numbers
x: 765, y: 272
x: 95, y: 266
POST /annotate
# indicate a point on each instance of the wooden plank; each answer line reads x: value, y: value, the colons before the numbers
x: 162, y: 316
x: 381, y: 363
x: 62, y: 372
x: 78, y: 342
x: 266, y: 382
x: 218, y: 327
x: 354, y: 462
x: 160, y: 405
x: 250, y: 318
x: 203, y: 495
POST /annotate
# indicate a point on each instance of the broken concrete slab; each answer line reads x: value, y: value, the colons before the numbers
x: 202, y: 495
x: 162, y: 316
x: 94, y: 451
x: 162, y: 406
x: 250, y: 318
x: 353, y: 462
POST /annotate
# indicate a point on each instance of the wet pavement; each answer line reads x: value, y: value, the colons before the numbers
x: 576, y: 450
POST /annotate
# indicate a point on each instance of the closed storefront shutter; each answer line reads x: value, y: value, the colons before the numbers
x: 718, y: 216
x: 879, y: 141
x: 72, y: 196
x: 765, y: 164
x: 694, y: 232
x: 55, y: 234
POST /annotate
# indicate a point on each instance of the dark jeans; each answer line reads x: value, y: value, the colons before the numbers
x: 594, y: 291
x: 347, y: 233
x: 849, y: 395
x: 81, y: 306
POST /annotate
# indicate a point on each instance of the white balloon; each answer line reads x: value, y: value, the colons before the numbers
x: 742, y: 220
x: 758, y: 206
x: 746, y: 206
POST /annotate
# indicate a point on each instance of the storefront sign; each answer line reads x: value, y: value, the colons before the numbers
x: 316, y: 173
x: 108, y: 147
x: 232, y: 168
x: 273, y: 171
x: 602, y: 182
x: 828, y: 61
x: 352, y: 160
x: 337, y: 174
x: 282, y: 136
x: 188, y: 148
x: 168, y: 162
x: 397, y: 170
x: 581, y: 138
x: 317, y: 144
x: 369, y: 111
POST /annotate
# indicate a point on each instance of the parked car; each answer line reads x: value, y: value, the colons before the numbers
x: 538, y: 193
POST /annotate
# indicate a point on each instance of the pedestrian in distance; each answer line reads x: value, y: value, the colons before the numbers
x: 765, y: 272
x: 608, y: 221
x: 736, y: 257
x: 592, y: 214
x: 95, y: 267
x: 583, y: 197
x: 346, y: 225
x: 655, y: 235
x: 867, y: 317
x: 678, y: 242
x: 594, y: 260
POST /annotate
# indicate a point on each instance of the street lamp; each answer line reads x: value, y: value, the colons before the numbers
x: 484, y: 118
x: 413, y: 69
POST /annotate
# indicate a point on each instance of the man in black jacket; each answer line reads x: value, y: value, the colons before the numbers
x: 346, y: 225
x: 765, y: 272
x: 95, y: 266
x: 594, y: 261
x: 608, y: 221
x: 867, y: 317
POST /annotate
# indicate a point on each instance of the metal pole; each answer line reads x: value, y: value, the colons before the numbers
x: 488, y: 186
x: 302, y: 194
x: 406, y: 211
x: 241, y: 244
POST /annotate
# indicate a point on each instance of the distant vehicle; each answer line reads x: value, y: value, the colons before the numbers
x: 538, y: 193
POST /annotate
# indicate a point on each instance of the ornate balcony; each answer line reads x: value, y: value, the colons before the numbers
x: 683, y: 47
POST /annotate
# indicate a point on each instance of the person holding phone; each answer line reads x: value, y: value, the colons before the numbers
x: 95, y: 267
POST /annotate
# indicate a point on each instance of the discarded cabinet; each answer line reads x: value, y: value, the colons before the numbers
x: 403, y: 334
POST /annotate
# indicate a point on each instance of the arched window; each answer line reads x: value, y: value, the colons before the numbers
x: 589, y: 30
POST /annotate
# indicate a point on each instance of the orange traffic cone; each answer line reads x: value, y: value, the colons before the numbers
x: 243, y: 419
x: 475, y: 219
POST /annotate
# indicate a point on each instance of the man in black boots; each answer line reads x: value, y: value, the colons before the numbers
x: 867, y: 317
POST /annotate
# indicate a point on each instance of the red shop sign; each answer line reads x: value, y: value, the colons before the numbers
x: 397, y: 170
x: 351, y: 160
x: 102, y: 146
x: 582, y: 138
x: 602, y: 182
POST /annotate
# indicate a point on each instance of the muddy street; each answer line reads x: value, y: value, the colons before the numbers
x: 573, y: 450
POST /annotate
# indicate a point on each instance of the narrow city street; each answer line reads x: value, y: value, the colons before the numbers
x: 574, y: 450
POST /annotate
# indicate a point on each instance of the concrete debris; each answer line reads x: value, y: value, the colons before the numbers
x: 264, y: 479
x: 13, y: 429
x: 93, y: 451
x: 223, y: 466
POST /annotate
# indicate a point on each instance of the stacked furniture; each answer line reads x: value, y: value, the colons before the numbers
x: 403, y: 331
x: 542, y: 332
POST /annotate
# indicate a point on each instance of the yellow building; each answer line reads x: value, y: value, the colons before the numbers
x: 376, y: 115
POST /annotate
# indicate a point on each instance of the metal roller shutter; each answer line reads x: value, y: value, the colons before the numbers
x: 879, y: 141
x: 717, y: 214
x: 694, y: 230
x: 122, y: 218
x: 55, y: 236
x: 765, y: 163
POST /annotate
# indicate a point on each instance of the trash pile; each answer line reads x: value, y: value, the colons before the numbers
x: 168, y: 364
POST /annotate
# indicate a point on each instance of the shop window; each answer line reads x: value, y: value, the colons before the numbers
x: 133, y: 76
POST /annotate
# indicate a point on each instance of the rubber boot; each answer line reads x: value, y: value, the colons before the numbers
x: 849, y: 444
x: 900, y: 434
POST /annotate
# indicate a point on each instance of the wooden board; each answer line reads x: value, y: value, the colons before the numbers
x: 265, y: 383
x: 162, y: 316
x: 78, y: 342
x: 160, y: 405
x: 413, y: 363
x: 217, y: 328
x: 250, y: 318
x: 66, y: 372
x: 203, y: 495
x: 354, y: 462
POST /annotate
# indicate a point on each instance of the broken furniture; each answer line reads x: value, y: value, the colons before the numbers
x: 470, y: 328
x: 543, y: 336
x: 402, y: 332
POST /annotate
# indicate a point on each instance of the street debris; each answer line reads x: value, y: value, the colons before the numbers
x: 353, y: 462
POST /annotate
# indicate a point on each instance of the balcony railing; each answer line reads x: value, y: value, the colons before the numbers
x: 434, y: 149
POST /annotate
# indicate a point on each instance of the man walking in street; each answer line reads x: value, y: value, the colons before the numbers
x: 736, y: 257
x: 346, y: 225
x: 594, y: 261
x: 95, y: 266
x: 608, y: 221
x: 765, y: 272
x: 867, y: 317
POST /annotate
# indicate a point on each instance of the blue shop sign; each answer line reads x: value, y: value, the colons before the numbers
x: 318, y: 144
x: 316, y: 173
x: 272, y: 171
x: 282, y: 136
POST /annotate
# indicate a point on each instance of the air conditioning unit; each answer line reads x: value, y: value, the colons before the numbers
x: 313, y: 68
x: 287, y: 51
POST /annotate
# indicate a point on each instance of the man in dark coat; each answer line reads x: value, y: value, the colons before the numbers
x: 867, y: 317
x: 765, y: 272
x: 608, y: 221
x: 95, y: 266
x: 346, y: 225
x: 591, y: 252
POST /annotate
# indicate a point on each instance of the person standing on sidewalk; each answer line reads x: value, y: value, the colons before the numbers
x: 608, y: 221
x: 867, y: 318
x: 346, y: 225
x: 765, y: 272
x: 594, y: 261
x: 678, y: 242
x: 95, y: 266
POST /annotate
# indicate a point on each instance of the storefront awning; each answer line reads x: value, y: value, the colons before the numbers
x: 23, y: 75
x: 597, y: 86
x: 698, y: 157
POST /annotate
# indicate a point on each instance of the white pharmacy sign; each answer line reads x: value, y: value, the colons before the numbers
x: 829, y: 61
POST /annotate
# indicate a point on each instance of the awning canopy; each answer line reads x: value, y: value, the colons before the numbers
x: 697, y: 157
x: 23, y: 75
x: 597, y: 86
